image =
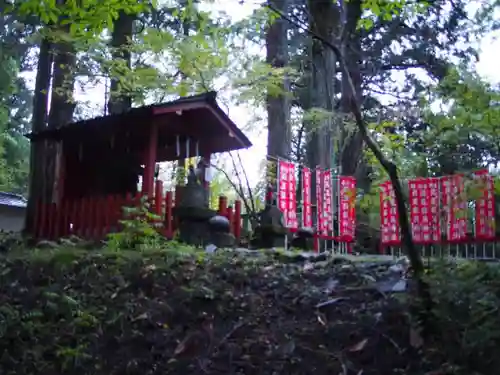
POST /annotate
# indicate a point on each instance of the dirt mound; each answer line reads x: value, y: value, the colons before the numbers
x: 79, y: 312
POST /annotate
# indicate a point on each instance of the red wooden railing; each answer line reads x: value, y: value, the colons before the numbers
x: 94, y: 218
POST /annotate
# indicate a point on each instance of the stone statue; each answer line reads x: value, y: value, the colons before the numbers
x: 194, y: 214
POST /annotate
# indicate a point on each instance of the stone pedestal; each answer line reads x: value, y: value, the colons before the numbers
x: 271, y: 231
x: 303, y: 239
x: 193, y: 224
x: 220, y: 232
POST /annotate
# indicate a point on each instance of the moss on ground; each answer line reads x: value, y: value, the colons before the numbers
x: 70, y: 311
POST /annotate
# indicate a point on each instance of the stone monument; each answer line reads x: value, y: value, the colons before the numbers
x: 271, y: 230
x: 193, y: 212
x: 198, y: 224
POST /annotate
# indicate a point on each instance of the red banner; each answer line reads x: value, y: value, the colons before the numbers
x: 327, y: 202
x: 485, y: 206
x: 283, y: 188
x: 287, y: 202
x: 319, y: 201
x: 347, y: 209
x: 306, y: 198
x: 292, y: 221
x: 454, y: 206
x: 424, y: 210
x: 389, y: 216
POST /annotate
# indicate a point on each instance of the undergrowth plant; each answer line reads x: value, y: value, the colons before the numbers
x: 139, y: 228
x: 467, y: 299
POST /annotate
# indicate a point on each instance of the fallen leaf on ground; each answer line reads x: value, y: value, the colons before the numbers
x: 359, y: 346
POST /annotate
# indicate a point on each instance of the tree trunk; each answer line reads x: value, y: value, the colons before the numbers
x: 127, y: 169
x: 62, y: 106
x: 352, y: 144
x: 121, y: 37
x: 278, y: 107
x: 38, y: 123
x: 324, y: 22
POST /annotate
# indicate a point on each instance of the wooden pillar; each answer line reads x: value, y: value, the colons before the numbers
x: 150, y: 161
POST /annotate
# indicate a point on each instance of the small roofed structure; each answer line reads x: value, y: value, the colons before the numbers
x: 105, y: 155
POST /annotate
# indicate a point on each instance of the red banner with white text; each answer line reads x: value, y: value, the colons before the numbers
x: 292, y: 221
x: 424, y: 210
x: 389, y: 216
x: 454, y: 207
x: 283, y: 188
x: 319, y: 201
x: 306, y: 198
x: 347, y: 209
x: 327, y: 202
x: 485, y: 206
x: 287, y: 186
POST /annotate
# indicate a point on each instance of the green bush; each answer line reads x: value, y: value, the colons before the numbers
x: 467, y: 297
x: 138, y: 228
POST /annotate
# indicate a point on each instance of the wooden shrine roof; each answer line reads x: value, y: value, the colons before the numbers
x: 180, y: 122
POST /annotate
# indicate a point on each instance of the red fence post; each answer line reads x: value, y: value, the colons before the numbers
x: 108, y: 212
x: 222, y: 205
x: 237, y: 219
x: 137, y: 198
x: 99, y: 212
x: 115, y: 213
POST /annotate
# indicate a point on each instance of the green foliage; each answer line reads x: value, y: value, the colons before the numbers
x: 138, y: 229
x: 260, y: 80
x: 13, y: 155
x: 85, y: 18
x: 467, y: 297
x: 315, y: 117
x: 375, y: 10
x: 469, y: 115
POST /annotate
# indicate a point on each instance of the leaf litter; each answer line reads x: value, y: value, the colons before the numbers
x: 228, y: 313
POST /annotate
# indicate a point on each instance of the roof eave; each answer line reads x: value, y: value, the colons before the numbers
x: 230, y: 126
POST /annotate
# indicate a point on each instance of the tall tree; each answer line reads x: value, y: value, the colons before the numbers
x: 121, y: 39
x: 351, y: 151
x: 39, y: 123
x: 278, y: 103
x: 61, y: 101
x: 324, y: 21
